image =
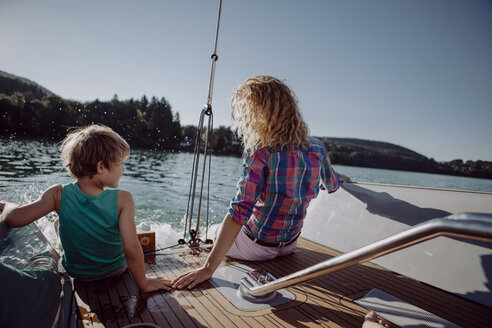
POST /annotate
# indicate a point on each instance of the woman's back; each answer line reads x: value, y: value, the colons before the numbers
x: 276, y: 188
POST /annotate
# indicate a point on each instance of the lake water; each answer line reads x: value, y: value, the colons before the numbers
x: 160, y: 183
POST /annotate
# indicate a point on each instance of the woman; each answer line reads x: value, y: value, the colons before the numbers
x: 283, y: 171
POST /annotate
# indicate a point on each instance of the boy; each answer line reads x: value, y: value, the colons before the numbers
x: 96, y: 225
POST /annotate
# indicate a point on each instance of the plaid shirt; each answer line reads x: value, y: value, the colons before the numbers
x: 276, y: 187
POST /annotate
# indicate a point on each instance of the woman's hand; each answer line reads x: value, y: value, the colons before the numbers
x: 157, y: 284
x: 227, y: 235
x: 192, y: 278
x: 344, y: 178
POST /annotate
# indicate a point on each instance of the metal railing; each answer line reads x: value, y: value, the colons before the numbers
x: 467, y: 225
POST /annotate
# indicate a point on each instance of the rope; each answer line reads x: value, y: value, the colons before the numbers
x: 161, y: 249
x: 156, y: 252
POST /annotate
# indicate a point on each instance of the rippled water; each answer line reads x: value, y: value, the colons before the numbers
x: 160, y: 183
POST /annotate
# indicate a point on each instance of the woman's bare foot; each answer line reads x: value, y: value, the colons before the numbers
x: 371, y: 321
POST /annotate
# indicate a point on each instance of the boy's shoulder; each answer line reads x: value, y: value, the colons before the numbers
x: 53, y: 195
x: 124, y: 196
x: 55, y: 190
x: 68, y: 185
x: 125, y: 201
x: 123, y: 193
x: 56, y: 187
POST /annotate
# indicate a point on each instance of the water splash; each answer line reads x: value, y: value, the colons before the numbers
x: 159, y: 182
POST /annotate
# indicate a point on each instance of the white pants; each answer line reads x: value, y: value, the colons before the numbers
x: 244, y: 248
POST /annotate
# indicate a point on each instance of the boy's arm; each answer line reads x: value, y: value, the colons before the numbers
x: 18, y: 216
x: 131, y: 246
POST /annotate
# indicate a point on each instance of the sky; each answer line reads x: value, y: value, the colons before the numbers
x: 414, y: 73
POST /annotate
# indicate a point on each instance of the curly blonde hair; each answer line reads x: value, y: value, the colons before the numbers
x: 265, y: 114
x: 84, y: 147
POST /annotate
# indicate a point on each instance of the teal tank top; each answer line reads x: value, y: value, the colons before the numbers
x: 89, y: 233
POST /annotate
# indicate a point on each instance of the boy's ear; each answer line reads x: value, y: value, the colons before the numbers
x: 100, y: 167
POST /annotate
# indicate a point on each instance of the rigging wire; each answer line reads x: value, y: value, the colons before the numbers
x: 206, y: 111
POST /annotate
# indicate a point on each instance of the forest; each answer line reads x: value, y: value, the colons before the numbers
x: 28, y: 110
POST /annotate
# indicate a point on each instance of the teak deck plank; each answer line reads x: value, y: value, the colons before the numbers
x: 325, y: 302
x: 181, y: 319
x: 216, y: 316
x: 417, y: 293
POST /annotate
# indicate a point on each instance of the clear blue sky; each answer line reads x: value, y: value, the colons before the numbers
x: 415, y: 73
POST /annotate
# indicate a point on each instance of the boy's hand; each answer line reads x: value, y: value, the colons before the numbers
x: 154, y: 284
x: 4, y: 228
x: 4, y: 205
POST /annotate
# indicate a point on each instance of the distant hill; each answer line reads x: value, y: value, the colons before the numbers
x: 383, y: 155
x: 10, y: 84
x: 377, y: 154
x: 43, y: 119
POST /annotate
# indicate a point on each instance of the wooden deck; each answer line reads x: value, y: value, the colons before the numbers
x: 325, y: 302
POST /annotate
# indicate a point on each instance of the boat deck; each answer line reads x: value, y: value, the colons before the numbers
x: 324, y: 302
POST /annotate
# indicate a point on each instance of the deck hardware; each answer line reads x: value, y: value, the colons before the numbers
x: 194, y: 241
x: 147, y: 241
x: 476, y: 226
x: 256, y: 278
x: 227, y: 280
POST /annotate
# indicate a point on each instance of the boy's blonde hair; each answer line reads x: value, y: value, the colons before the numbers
x: 84, y: 147
x: 265, y: 113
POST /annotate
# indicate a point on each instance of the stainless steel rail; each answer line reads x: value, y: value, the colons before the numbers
x: 468, y: 225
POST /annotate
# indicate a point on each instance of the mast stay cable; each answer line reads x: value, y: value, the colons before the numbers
x: 194, y: 233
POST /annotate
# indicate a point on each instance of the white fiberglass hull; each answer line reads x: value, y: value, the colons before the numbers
x: 359, y: 214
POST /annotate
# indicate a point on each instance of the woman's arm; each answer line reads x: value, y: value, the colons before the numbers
x: 228, y: 233
x: 18, y: 216
x: 248, y: 191
x: 131, y: 246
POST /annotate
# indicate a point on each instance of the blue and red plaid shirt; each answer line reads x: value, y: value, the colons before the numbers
x: 276, y: 187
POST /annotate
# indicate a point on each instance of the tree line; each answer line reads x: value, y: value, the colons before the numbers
x: 151, y: 124
x: 144, y: 123
x: 376, y: 154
